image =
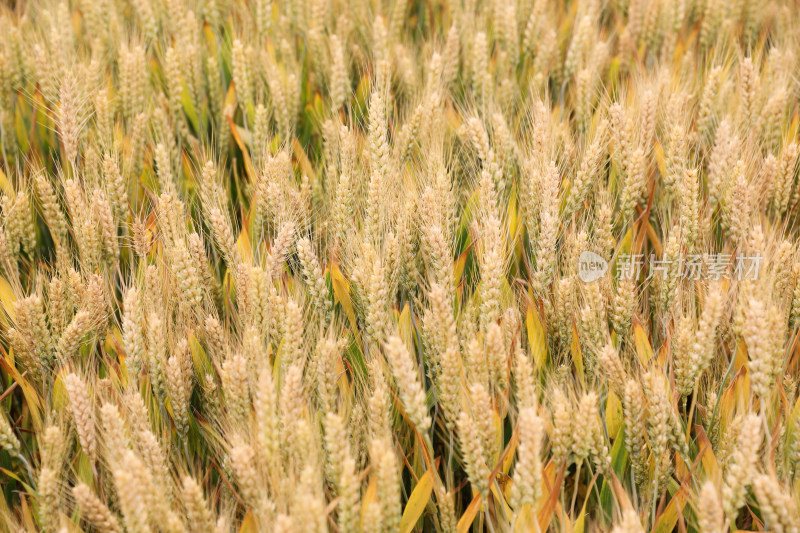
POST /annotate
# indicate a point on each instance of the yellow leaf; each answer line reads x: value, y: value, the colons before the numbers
x: 188, y: 106
x: 643, y: 348
x: 506, y: 485
x: 113, y: 342
x: 417, y: 502
x: 238, y: 136
x: 498, y: 435
x: 659, y: 153
x: 465, y: 522
x: 31, y: 397
x: 5, y: 185
x: 740, y: 359
x: 362, y: 94
x: 669, y: 518
x: 613, y: 413
x: 200, y: 360
x: 67, y: 525
x: 458, y: 266
x: 613, y: 69
x: 627, y: 242
x: 22, y: 133
x: 341, y: 293
x: 663, y: 354
x: 27, y: 516
x: 210, y: 37
x: 623, y: 499
x: 500, y: 499
x: 652, y: 236
x: 243, y: 243
x: 230, y: 99
x: 302, y: 160
x: 370, y: 496
x: 580, y: 522
x: 709, y: 460
x: 11, y: 474
x: 524, y: 521
x: 577, y: 357
x: 795, y: 123
x: 513, y: 217
x: 508, y: 458
x: 536, y: 337
x: 7, y: 298
x: 564, y: 519
x: 406, y: 328
x: 551, y: 488
x: 249, y: 523
x: 736, y: 391
x: 341, y: 379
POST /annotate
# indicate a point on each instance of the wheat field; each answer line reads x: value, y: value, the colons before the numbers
x: 416, y: 265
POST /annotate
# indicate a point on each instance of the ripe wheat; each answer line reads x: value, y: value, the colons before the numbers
x: 320, y: 265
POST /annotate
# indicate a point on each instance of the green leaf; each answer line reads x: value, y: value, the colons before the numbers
x: 188, y: 107
x: 619, y: 460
